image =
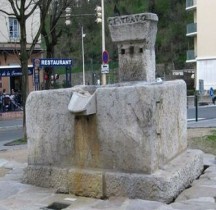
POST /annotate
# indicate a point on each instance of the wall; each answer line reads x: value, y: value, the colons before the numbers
x: 206, y: 28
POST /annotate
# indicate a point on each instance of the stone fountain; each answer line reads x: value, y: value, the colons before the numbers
x: 128, y: 139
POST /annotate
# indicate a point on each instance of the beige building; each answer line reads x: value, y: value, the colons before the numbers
x: 203, y: 32
x: 10, y: 75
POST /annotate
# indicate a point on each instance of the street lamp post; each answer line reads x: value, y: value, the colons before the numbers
x: 83, y: 53
x: 103, y: 39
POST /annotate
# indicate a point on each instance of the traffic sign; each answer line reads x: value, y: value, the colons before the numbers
x: 105, y: 57
x: 105, y: 68
x: 36, y: 62
x: 211, y: 92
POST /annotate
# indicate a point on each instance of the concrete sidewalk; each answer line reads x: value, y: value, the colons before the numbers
x: 209, y: 123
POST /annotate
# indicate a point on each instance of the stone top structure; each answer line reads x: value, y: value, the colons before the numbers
x: 135, y: 36
x: 134, y: 27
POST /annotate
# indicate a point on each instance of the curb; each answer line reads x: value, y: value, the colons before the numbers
x: 10, y: 127
x: 11, y: 115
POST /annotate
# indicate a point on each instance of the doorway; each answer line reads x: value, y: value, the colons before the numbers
x: 16, y: 83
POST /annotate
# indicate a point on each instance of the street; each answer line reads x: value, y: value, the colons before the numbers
x: 10, y: 129
x: 204, y: 112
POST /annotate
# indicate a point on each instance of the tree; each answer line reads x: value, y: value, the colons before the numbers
x: 51, y: 31
x: 22, y: 10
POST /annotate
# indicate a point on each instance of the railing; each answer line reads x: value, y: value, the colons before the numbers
x: 191, y: 28
x: 191, y: 55
x: 190, y: 3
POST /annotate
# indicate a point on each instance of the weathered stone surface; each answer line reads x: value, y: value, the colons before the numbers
x: 141, y: 126
x: 205, y: 186
x: 135, y: 36
x: 46, y: 176
x: 135, y: 27
x: 137, y: 128
x: 163, y: 185
x: 128, y: 139
x: 136, y: 131
x: 50, y: 127
x: 86, y: 183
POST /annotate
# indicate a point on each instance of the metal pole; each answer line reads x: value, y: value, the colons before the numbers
x: 196, y: 106
x: 83, y: 58
x: 103, y: 39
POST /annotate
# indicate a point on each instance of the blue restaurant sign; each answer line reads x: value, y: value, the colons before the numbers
x: 51, y: 62
x: 12, y: 71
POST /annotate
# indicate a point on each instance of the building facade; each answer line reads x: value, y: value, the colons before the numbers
x: 203, y: 33
x: 10, y: 48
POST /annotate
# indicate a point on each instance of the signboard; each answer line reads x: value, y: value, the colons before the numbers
x: 12, y: 71
x: 55, y: 62
x: 36, y: 62
x: 105, y: 57
x: 211, y: 92
x: 105, y: 68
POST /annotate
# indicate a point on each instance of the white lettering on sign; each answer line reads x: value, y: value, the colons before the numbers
x: 55, y: 62
x: 127, y: 19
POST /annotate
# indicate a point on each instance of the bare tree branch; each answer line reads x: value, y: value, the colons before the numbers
x: 17, y: 6
x: 29, y: 4
x: 32, y: 10
x: 7, y: 13
x: 59, y: 34
x: 14, y: 9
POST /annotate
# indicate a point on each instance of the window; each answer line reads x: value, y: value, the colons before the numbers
x: 13, y: 28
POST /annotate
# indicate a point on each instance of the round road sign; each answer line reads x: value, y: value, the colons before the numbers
x: 105, y: 57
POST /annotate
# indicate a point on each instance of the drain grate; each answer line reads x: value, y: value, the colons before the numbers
x: 56, y: 206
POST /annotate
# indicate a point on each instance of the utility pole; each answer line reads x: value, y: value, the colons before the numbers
x: 100, y: 19
x: 103, y: 40
x: 83, y: 55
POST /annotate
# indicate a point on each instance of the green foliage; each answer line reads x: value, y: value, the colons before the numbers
x: 211, y: 137
x: 205, y: 143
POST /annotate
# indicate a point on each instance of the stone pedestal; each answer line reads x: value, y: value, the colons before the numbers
x: 135, y: 145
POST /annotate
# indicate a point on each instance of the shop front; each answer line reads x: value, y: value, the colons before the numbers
x: 11, y: 78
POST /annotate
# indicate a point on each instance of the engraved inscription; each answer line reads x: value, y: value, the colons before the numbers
x: 127, y: 19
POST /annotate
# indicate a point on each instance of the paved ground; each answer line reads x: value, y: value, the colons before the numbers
x: 14, y: 195
x: 210, y: 123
